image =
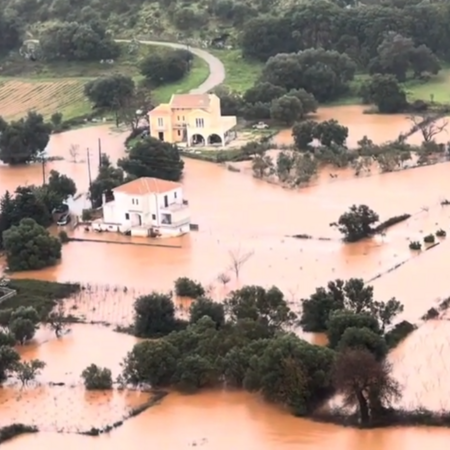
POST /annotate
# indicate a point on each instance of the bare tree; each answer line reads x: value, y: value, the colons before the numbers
x: 238, y: 259
x: 365, y: 382
x: 27, y: 371
x: 57, y: 320
x: 224, y: 278
x: 428, y: 125
x: 74, y: 151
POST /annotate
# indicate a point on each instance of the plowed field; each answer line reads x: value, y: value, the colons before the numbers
x: 46, y: 97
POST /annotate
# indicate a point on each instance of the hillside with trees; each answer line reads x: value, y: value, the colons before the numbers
x: 371, y: 51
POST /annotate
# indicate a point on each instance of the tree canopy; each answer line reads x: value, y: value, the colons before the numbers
x: 21, y: 141
x: 166, y: 67
x: 150, y: 157
x: 73, y: 41
x: 29, y: 246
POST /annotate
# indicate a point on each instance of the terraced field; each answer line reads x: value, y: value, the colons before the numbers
x: 46, y: 97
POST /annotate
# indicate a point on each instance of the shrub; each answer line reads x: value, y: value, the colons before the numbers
x: 441, y: 233
x: 63, y: 237
x: 432, y: 313
x: 429, y: 239
x: 398, y: 333
x: 86, y: 215
x: 415, y: 245
x: 390, y: 222
x: 185, y: 287
x: 16, y: 429
x: 96, y: 378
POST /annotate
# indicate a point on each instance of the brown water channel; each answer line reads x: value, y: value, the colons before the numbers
x: 238, y: 213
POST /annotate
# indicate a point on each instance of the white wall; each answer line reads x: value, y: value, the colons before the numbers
x: 174, y: 196
x: 150, y: 207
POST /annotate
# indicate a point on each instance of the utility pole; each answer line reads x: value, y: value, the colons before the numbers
x: 99, y: 153
x: 89, y: 166
x: 43, y: 171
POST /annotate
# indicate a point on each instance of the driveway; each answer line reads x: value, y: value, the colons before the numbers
x: 216, y: 68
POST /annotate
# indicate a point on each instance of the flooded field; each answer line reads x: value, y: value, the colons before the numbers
x: 238, y: 214
x: 376, y: 127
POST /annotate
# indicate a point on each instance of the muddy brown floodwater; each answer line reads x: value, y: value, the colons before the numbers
x: 239, y: 214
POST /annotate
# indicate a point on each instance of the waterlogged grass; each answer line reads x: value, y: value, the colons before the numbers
x: 41, y: 295
x: 240, y: 73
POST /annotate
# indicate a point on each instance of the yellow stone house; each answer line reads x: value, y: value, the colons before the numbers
x: 192, y: 119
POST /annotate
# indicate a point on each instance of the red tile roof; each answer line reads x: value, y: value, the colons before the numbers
x: 146, y: 185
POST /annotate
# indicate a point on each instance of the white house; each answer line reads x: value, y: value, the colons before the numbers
x: 144, y: 207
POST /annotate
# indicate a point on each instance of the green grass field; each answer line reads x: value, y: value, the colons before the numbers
x: 436, y: 89
x: 240, y: 74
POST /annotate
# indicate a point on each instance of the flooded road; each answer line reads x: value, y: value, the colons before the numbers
x: 237, y: 215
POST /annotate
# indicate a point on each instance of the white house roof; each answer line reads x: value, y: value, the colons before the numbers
x: 146, y: 185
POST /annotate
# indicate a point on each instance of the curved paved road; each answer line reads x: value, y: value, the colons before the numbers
x: 216, y: 68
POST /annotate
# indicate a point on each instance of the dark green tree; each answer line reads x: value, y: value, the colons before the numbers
x: 194, y: 372
x: 9, y: 33
x: 110, y: 92
x: 61, y: 185
x: 151, y: 362
x: 21, y: 141
x: 325, y: 74
x: 363, y: 339
x: 263, y: 92
x: 162, y: 68
x: 108, y: 178
x: 73, y: 41
x: 292, y: 372
x: 385, y: 92
x: 340, y: 321
x: 207, y: 307
x: 28, y: 203
x: 151, y: 157
x: 97, y: 378
x: 357, y: 223
x: 8, y: 359
x: 286, y: 109
x: 303, y: 134
x: 268, y: 307
x: 330, y: 132
x: 22, y: 329
x: 29, y: 246
x: 154, y: 315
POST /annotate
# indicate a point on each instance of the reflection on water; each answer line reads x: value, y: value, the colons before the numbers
x: 238, y: 213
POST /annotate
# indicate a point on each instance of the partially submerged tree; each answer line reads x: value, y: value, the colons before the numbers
x: 96, y: 378
x: 27, y: 371
x: 8, y: 360
x: 364, y: 382
x: 238, y: 259
x: 154, y: 315
x: 428, y: 125
x: 357, y: 223
x: 29, y: 246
